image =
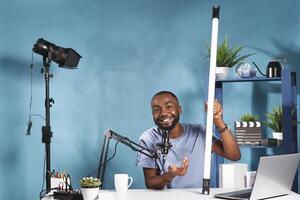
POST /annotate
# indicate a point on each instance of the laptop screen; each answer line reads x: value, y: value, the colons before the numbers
x: 275, y: 175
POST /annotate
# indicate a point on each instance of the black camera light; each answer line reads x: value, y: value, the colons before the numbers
x: 64, y: 57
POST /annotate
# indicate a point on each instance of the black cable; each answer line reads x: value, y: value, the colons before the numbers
x: 38, y: 115
x: 105, y: 162
x: 258, y: 69
x: 44, y: 169
x: 31, y: 81
x: 29, y: 122
x: 44, y: 193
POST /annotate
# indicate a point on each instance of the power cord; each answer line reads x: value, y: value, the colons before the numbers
x: 44, y: 173
x: 258, y: 69
x: 29, y: 121
x: 105, y: 162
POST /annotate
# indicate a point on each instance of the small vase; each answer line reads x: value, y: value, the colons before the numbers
x: 221, y: 72
x: 90, y: 193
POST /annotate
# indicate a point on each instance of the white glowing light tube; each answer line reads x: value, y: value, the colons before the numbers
x: 210, y: 101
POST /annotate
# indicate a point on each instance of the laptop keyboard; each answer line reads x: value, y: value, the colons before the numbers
x: 242, y: 196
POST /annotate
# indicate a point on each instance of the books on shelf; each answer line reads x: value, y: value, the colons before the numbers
x: 249, y: 143
x: 271, y: 142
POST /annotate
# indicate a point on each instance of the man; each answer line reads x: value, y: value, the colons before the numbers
x: 183, y: 166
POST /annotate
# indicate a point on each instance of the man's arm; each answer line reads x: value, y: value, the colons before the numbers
x: 155, y: 181
x: 227, y: 146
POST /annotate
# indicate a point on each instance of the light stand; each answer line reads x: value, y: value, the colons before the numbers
x: 46, y: 130
x: 64, y: 57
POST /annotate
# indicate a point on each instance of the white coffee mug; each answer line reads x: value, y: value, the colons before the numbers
x: 121, y: 182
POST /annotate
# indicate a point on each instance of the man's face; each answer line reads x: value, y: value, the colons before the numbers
x: 166, y: 111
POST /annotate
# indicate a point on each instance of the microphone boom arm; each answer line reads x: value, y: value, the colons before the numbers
x: 134, y: 146
x: 126, y: 141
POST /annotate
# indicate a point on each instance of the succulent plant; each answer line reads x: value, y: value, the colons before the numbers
x: 90, y: 182
x: 247, y: 117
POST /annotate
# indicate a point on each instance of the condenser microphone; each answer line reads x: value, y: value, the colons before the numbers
x: 165, y: 145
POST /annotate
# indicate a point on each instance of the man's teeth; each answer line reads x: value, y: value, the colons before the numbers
x: 166, y: 119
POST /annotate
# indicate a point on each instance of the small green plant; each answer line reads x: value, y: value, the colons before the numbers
x: 90, y: 182
x: 247, y: 117
x: 228, y: 57
x: 274, y: 119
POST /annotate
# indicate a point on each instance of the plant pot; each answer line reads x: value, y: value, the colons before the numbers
x: 221, y: 72
x: 90, y: 193
x: 277, y: 135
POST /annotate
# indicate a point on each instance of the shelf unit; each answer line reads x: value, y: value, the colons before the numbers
x: 288, y: 100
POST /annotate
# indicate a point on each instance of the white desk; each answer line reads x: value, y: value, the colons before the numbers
x: 171, y: 194
x: 183, y: 194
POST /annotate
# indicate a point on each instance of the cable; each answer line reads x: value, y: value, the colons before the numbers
x: 258, y: 69
x: 44, y: 169
x: 115, y: 151
x: 29, y: 122
x: 38, y: 115
x: 44, y: 193
x: 105, y: 162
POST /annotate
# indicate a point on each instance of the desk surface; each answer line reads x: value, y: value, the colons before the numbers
x: 170, y: 194
x: 186, y: 194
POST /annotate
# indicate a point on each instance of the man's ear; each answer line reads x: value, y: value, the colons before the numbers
x: 180, y: 109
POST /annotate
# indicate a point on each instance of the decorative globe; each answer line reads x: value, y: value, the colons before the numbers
x: 245, y: 70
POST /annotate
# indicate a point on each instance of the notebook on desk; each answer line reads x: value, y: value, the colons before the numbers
x: 274, y: 178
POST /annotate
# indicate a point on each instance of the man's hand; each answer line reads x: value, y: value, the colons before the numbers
x: 179, y: 171
x: 154, y: 181
x: 218, y: 111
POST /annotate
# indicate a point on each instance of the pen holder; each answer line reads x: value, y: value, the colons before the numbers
x: 57, y: 183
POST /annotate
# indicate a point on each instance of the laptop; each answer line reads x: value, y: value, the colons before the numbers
x: 274, y: 178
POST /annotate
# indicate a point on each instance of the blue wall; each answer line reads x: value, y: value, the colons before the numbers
x: 130, y: 49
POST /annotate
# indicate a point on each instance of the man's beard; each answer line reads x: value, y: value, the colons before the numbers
x: 171, y: 127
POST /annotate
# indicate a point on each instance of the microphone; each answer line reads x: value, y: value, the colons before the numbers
x: 165, y: 145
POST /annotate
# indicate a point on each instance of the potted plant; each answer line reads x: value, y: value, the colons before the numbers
x: 227, y: 57
x: 90, y: 188
x: 274, y: 121
x: 248, y: 129
x: 247, y: 117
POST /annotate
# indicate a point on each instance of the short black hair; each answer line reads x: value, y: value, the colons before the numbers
x: 165, y: 92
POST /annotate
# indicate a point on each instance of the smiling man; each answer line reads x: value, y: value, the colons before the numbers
x: 183, y: 166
